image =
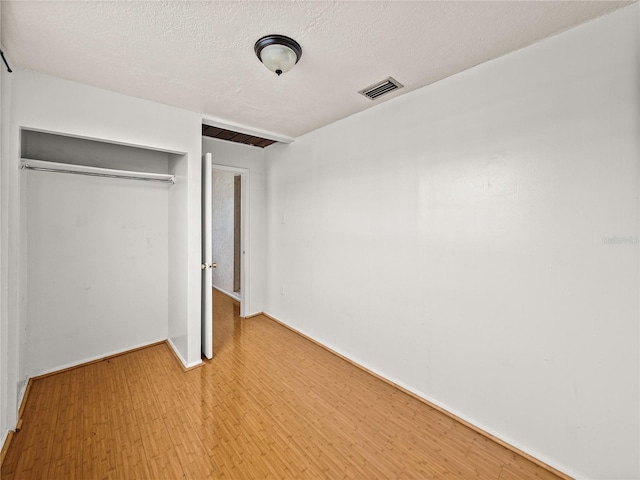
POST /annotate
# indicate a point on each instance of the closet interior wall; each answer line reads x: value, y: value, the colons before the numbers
x: 97, y: 253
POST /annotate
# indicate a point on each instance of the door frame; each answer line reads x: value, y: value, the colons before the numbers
x: 244, y: 232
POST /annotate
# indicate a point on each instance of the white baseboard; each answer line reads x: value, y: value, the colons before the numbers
x: 93, y: 358
x: 478, y: 426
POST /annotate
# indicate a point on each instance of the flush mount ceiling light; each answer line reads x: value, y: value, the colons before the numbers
x: 278, y: 53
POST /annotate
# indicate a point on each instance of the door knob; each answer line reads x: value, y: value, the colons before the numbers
x: 211, y: 265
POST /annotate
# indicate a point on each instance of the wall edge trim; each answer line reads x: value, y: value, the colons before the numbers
x: 183, y: 363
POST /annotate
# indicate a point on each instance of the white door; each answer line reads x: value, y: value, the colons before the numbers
x: 207, y: 265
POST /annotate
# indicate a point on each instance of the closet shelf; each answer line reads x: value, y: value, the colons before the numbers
x: 44, y: 166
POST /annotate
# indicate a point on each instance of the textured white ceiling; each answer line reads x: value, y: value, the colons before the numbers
x: 199, y: 55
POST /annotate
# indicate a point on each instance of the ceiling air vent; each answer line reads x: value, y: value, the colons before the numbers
x: 381, y: 88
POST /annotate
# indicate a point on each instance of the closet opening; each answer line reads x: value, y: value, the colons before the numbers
x: 105, y: 263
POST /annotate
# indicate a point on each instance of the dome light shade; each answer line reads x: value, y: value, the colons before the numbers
x: 278, y: 58
x: 278, y: 53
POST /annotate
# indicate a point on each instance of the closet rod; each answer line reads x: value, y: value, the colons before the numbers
x: 43, y: 166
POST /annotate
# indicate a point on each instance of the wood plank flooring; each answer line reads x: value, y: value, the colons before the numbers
x: 270, y: 404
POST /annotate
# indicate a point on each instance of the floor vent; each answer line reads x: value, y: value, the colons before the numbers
x: 381, y: 88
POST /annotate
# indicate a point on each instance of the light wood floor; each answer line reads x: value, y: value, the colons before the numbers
x: 271, y: 404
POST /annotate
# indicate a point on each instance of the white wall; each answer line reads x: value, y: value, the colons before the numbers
x: 458, y: 241
x: 97, y: 255
x: 8, y: 271
x: 4, y: 380
x: 222, y: 222
x: 252, y: 158
x: 41, y: 102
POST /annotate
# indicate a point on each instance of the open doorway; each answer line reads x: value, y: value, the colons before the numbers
x: 228, y: 232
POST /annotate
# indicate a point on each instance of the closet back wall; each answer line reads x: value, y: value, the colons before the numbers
x: 97, y: 254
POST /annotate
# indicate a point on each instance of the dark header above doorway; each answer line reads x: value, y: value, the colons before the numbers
x: 231, y: 136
